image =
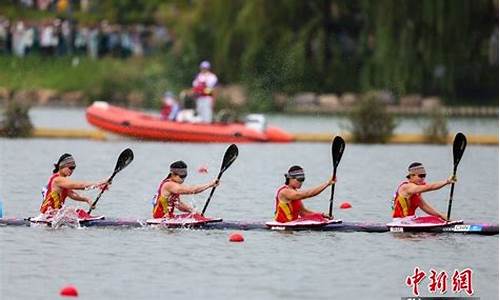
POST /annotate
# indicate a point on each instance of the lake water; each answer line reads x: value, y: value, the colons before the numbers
x: 75, y: 118
x: 103, y: 263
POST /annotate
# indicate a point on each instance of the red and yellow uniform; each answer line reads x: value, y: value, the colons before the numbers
x: 164, y: 206
x: 286, y: 212
x: 405, y: 207
x: 53, y: 199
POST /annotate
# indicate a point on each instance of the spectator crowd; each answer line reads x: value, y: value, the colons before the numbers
x: 59, y: 37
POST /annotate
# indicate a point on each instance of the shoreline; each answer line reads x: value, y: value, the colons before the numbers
x: 303, y: 137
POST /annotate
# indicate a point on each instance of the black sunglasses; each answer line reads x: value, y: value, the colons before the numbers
x: 72, y: 168
x: 182, y: 176
x: 422, y: 175
x: 301, y: 179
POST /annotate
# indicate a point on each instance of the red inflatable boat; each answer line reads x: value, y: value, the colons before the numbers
x: 140, y: 125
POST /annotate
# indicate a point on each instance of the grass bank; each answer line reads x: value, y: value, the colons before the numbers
x: 106, y: 78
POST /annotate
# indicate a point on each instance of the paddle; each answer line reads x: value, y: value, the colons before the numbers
x: 229, y: 158
x: 338, y: 146
x: 459, y: 145
x: 124, y: 160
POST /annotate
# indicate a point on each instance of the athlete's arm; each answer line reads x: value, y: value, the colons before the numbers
x: 291, y: 194
x: 305, y: 211
x: 67, y: 183
x: 77, y: 197
x: 177, y: 188
x: 431, y: 210
x: 182, y: 206
x: 411, y: 188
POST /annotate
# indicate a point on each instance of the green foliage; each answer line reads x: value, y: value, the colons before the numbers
x: 429, y: 47
x: 106, y: 79
x: 370, y: 122
x: 437, y: 129
x: 16, y: 121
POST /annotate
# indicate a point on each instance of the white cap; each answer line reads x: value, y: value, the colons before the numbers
x: 205, y: 65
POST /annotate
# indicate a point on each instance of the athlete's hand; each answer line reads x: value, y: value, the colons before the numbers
x: 103, y: 185
x: 332, y: 180
x: 89, y: 202
x: 214, y: 183
x: 452, y: 179
x: 327, y: 216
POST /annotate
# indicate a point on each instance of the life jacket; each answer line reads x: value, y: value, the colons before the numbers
x: 286, y: 212
x: 204, y: 84
x: 164, y: 206
x: 51, y: 198
x: 403, y: 207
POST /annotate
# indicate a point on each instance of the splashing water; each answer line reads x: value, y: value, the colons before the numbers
x: 65, y: 216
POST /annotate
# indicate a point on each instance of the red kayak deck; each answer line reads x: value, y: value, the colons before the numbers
x: 147, y: 126
x: 420, y: 223
x: 300, y: 224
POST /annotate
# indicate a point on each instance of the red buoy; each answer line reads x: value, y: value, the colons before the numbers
x: 345, y: 205
x: 69, y: 291
x: 236, y: 237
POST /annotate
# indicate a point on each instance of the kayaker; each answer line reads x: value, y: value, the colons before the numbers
x: 203, y: 87
x: 60, y: 186
x: 408, y: 194
x: 168, y: 198
x: 289, y: 198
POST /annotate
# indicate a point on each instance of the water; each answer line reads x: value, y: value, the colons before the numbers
x: 144, y: 263
x: 75, y: 118
x: 191, y: 264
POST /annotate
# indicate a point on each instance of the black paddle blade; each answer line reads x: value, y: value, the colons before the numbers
x: 125, y: 158
x: 459, y: 145
x: 338, y: 146
x: 229, y: 157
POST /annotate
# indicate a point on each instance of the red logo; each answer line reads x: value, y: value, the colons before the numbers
x: 438, y: 282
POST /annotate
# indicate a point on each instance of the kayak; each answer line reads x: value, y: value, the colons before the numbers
x: 184, y: 220
x: 479, y: 228
x: 415, y: 224
x: 300, y: 224
x: 140, y: 125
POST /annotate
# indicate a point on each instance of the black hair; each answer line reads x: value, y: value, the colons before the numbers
x: 177, y: 165
x: 412, y: 165
x: 292, y: 168
x: 56, y: 165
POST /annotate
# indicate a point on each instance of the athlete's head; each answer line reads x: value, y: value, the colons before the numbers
x: 416, y: 172
x: 179, y: 169
x: 296, y: 173
x: 65, y: 161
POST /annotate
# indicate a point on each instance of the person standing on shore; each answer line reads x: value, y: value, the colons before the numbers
x: 203, y: 87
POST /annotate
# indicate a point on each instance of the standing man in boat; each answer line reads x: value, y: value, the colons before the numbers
x: 168, y: 198
x: 203, y: 87
x: 289, y: 198
x: 60, y: 186
x: 408, y: 195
